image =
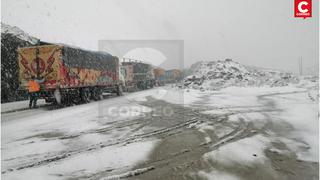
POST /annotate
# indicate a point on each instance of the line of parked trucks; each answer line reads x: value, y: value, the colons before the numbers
x: 73, y: 75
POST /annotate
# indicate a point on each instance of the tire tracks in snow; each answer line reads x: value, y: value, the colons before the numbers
x: 50, y: 158
x: 240, y: 132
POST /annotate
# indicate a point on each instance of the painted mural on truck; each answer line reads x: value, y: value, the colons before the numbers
x: 39, y: 62
x: 57, y: 68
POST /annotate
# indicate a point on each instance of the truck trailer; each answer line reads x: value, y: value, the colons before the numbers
x: 69, y: 74
x: 173, y: 76
x: 138, y: 76
x: 159, y: 74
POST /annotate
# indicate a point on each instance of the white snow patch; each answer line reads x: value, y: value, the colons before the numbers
x: 217, y: 111
x: 258, y: 119
x: 275, y: 150
x: 292, y: 104
x: 219, y: 130
x: 204, y: 127
x: 222, y: 131
x: 115, y: 157
x: 128, y: 174
x: 233, y: 118
x: 303, y: 151
x: 217, y: 175
x: 19, y: 105
x: 169, y: 94
x: 303, y: 116
x: 254, y: 116
x: 207, y: 139
x: 30, y: 135
x: 180, y: 96
x: 240, y: 152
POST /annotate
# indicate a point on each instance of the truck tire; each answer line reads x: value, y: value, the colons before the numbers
x: 76, y: 96
x: 85, y: 95
x: 97, y: 94
x: 119, y: 91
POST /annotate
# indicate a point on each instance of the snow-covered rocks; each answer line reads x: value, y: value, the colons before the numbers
x: 218, y: 74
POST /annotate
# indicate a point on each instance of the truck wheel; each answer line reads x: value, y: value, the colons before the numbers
x: 100, y: 95
x: 85, y: 95
x: 119, y: 92
x: 76, y: 97
x: 97, y: 94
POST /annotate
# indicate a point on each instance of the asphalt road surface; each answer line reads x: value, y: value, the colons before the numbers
x: 166, y: 133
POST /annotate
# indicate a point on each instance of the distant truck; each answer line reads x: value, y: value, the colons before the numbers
x: 138, y: 75
x: 159, y: 74
x: 173, y: 76
x: 70, y: 75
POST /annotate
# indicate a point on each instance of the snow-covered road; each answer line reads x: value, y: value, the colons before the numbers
x: 38, y: 138
x: 168, y: 133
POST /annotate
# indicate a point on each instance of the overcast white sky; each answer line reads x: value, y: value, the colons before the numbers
x: 253, y: 32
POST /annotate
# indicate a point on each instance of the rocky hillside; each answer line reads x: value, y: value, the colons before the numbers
x: 11, y: 39
x: 219, y: 74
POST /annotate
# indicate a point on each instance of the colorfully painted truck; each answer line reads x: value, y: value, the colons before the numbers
x: 69, y: 74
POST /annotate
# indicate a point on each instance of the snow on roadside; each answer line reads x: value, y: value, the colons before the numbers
x: 40, y: 133
x: 245, y: 151
x: 218, y: 111
x: 114, y: 158
x: 217, y: 175
x: 291, y: 105
x: 304, y: 118
x: 244, y: 96
x: 19, y: 105
x: 129, y: 173
x: 183, y: 97
x: 72, y: 119
x: 208, y: 129
x: 169, y: 94
x: 259, y: 119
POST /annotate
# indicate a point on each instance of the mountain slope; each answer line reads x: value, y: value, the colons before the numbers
x: 11, y: 39
x: 18, y: 33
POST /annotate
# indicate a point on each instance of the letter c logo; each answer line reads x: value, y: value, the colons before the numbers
x: 300, y: 7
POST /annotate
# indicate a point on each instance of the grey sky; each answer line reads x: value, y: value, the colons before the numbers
x: 253, y: 32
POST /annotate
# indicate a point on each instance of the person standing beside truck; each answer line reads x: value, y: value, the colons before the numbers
x: 34, y: 88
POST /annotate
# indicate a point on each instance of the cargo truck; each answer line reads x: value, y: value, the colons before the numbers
x: 139, y: 75
x: 69, y: 74
x: 159, y: 74
x: 173, y: 76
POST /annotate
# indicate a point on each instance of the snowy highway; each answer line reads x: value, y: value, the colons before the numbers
x: 168, y: 133
x: 159, y: 90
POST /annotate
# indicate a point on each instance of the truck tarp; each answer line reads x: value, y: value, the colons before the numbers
x: 79, y: 58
